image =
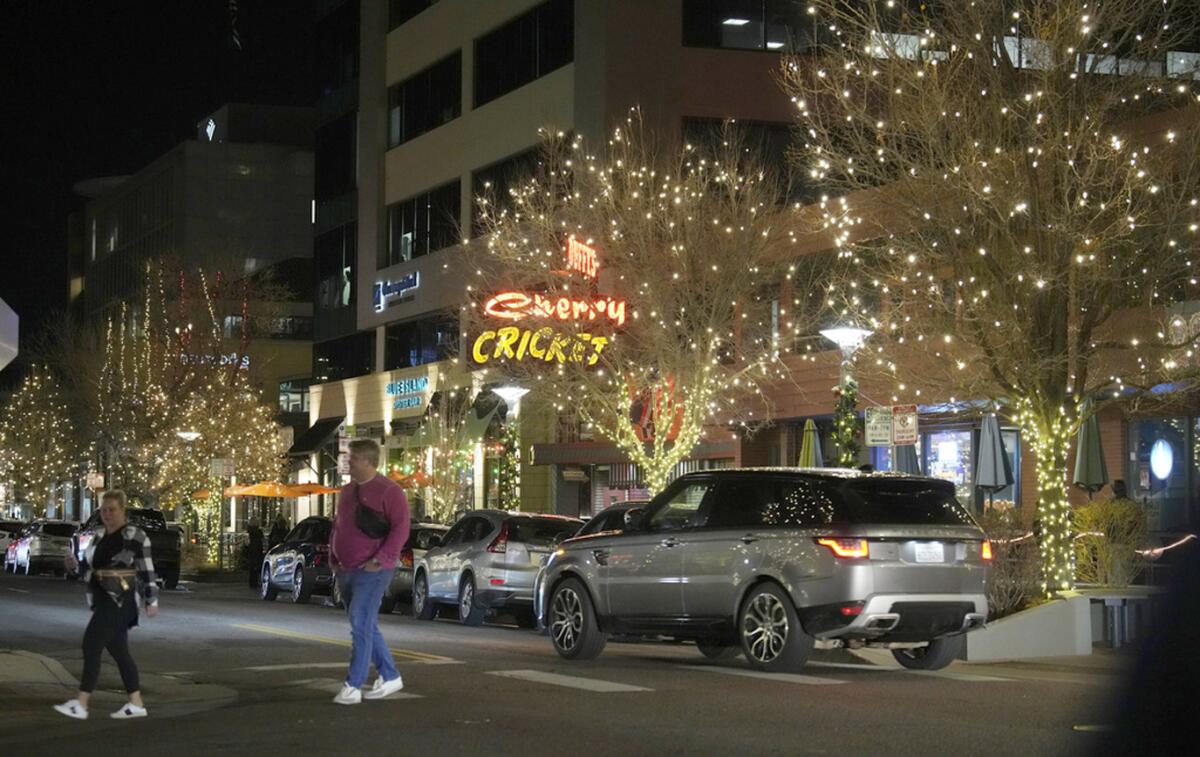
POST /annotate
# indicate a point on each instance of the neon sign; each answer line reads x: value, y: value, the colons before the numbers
x: 544, y: 344
x: 514, y: 306
x: 386, y: 290
x: 409, y: 393
x: 582, y: 258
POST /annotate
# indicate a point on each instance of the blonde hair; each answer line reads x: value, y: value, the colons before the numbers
x: 116, y: 495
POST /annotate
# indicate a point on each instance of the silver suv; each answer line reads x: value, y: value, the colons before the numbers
x: 487, y: 560
x: 773, y: 561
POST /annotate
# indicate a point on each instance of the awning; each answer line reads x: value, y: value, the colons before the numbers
x: 316, y: 436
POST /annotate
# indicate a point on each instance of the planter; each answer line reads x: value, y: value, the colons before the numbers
x: 1059, y: 628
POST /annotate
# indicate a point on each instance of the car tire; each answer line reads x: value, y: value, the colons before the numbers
x: 171, y: 577
x: 388, y: 605
x: 469, y: 611
x: 940, y: 653
x: 266, y: 589
x: 423, y: 606
x: 716, y: 650
x: 770, y: 633
x: 302, y: 586
x: 574, y: 631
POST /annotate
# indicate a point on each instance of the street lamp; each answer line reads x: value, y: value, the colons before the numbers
x: 512, y: 394
x: 188, y: 436
x: 848, y: 339
x: 845, y: 418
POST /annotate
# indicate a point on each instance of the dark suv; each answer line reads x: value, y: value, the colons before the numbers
x: 300, y: 563
x: 769, y: 561
x: 165, y: 543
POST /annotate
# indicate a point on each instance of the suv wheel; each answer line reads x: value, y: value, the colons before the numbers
x: 302, y: 587
x: 770, y: 631
x: 939, y: 654
x: 715, y: 650
x: 572, y: 621
x: 265, y: 589
x: 423, y: 607
x: 468, y: 613
x: 171, y: 577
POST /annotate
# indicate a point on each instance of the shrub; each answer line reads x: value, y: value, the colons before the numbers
x: 1013, y: 577
x: 1108, y: 534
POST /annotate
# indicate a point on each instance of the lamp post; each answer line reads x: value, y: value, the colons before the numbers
x: 845, y: 420
x: 848, y: 339
x: 512, y: 395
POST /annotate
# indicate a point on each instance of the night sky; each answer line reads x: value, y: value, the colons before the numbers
x: 101, y: 87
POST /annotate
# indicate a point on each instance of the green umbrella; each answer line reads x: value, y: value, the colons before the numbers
x: 810, y: 447
x: 1091, y: 474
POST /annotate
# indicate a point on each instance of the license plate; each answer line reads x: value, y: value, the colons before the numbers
x: 929, y: 551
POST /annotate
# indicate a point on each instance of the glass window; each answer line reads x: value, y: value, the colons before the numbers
x: 335, y: 251
x: 1158, y: 470
x: 738, y: 504
x: 425, y: 100
x: 526, y: 48
x: 540, y: 530
x: 425, y: 539
x: 422, y: 224
x: 680, y: 510
x: 491, y: 184
x: 335, y: 152
x: 293, y: 395
x: 419, y: 342
x: 773, y: 25
x: 455, y: 534
x: 476, y: 529
x: 884, y: 501
x: 344, y: 358
x: 320, y: 531
x: 336, y: 54
x: 948, y: 456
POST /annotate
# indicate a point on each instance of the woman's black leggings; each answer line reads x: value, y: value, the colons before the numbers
x: 108, y: 629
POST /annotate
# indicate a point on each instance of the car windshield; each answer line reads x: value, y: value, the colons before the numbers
x: 898, y: 502
x: 58, y: 529
x: 540, y: 530
x: 319, y: 533
x: 147, y: 519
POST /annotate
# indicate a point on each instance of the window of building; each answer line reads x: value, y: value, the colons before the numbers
x: 401, y: 11
x: 1163, y: 470
x: 425, y: 100
x: 772, y: 25
x: 293, y: 395
x: 526, y: 48
x: 337, y: 50
x: 490, y: 185
x: 335, y: 251
x: 334, y: 164
x: 422, y: 224
x: 425, y: 340
x: 344, y: 358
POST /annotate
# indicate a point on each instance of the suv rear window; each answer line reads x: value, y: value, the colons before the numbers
x: 899, y: 502
x: 58, y: 529
x: 540, y: 530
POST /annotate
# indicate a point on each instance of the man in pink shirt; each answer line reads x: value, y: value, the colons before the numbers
x: 364, y: 548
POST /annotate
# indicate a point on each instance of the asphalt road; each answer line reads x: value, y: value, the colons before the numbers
x: 226, y: 673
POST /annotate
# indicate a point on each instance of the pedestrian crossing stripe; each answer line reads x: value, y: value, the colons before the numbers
x: 782, y: 677
x: 408, y: 654
x: 570, y: 682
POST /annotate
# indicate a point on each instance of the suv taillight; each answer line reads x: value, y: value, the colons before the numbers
x: 500, y: 543
x: 846, y: 548
x: 406, y: 558
x: 986, y: 550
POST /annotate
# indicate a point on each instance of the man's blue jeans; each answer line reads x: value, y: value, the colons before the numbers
x: 362, y: 591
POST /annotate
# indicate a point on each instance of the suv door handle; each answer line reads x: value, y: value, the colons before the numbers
x: 749, y: 539
x: 669, y: 542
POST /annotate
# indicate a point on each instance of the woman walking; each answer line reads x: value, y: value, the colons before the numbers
x: 113, y: 567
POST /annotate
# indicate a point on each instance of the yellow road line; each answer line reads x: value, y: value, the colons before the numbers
x: 406, y: 653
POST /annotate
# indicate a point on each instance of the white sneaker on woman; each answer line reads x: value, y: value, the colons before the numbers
x: 348, y: 695
x: 384, y: 688
x: 72, y: 709
x: 130, y: 710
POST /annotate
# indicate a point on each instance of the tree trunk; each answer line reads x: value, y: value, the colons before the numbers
x: 1051, y: 432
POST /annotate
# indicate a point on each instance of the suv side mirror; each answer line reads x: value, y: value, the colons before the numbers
x: 635, y: 519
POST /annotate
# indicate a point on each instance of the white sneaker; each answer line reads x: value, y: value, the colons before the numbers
x: 72, y: 709
x: 384, y: 688
x: 348, y: 695
x: 130, y: 710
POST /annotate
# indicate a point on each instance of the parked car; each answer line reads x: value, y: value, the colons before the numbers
x: 611, y: 518
x: 768, y: 561
x: 10, y: 533
x: 300, y: 563
x: 487, y: 560
x: 165, y: 543
x: 43, y: 545
x: 421, y: 537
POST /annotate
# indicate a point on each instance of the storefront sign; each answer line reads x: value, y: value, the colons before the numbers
x: 233, y: 358
x: 582, y: 258
x: 95, y: 481
x: 386, y: 290
x: 408, y: 393
x: 221, y: 467
x: 514, y: 306
x: 544, y: 344
x: 904, y: 424
x: 878, y: 426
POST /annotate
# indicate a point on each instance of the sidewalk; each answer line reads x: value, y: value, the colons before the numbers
x: 30, y: 683
x: 1104, y: 666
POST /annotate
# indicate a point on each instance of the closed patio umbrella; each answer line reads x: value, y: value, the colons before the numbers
x: 993, y: 470
x: 810, y: 447
x: 1091, y: 474
x: 904, y: 459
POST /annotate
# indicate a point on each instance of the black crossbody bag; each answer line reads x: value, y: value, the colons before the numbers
x: 372, y: 523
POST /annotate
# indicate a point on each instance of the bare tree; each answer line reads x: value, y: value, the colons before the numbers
x: 637, y: 288
x: 1012, y: 190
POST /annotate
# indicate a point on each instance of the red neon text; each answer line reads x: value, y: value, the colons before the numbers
x: 582, y: 258
x: 514, y: 306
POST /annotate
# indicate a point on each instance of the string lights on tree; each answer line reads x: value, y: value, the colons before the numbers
x: 1013, y: 197
x: 34, y: 455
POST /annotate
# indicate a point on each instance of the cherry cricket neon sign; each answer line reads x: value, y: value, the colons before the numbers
x: 547, y: 344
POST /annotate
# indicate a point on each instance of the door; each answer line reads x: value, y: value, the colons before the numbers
x: 724, y: 552
x: 644, y: 572
x: 285, y: 560
x: 444, y: 561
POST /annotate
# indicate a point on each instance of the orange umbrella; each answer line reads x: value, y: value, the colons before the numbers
x: 201, y: 494
x: 414, y: 480
x: 262, y: 489
x: 303, y: 490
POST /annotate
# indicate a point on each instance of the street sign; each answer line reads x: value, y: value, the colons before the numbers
x: 879, y: 426
x: 904, y: 424
x: 343, y: 463
x: 95, y: 481
x: 222, y: 468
